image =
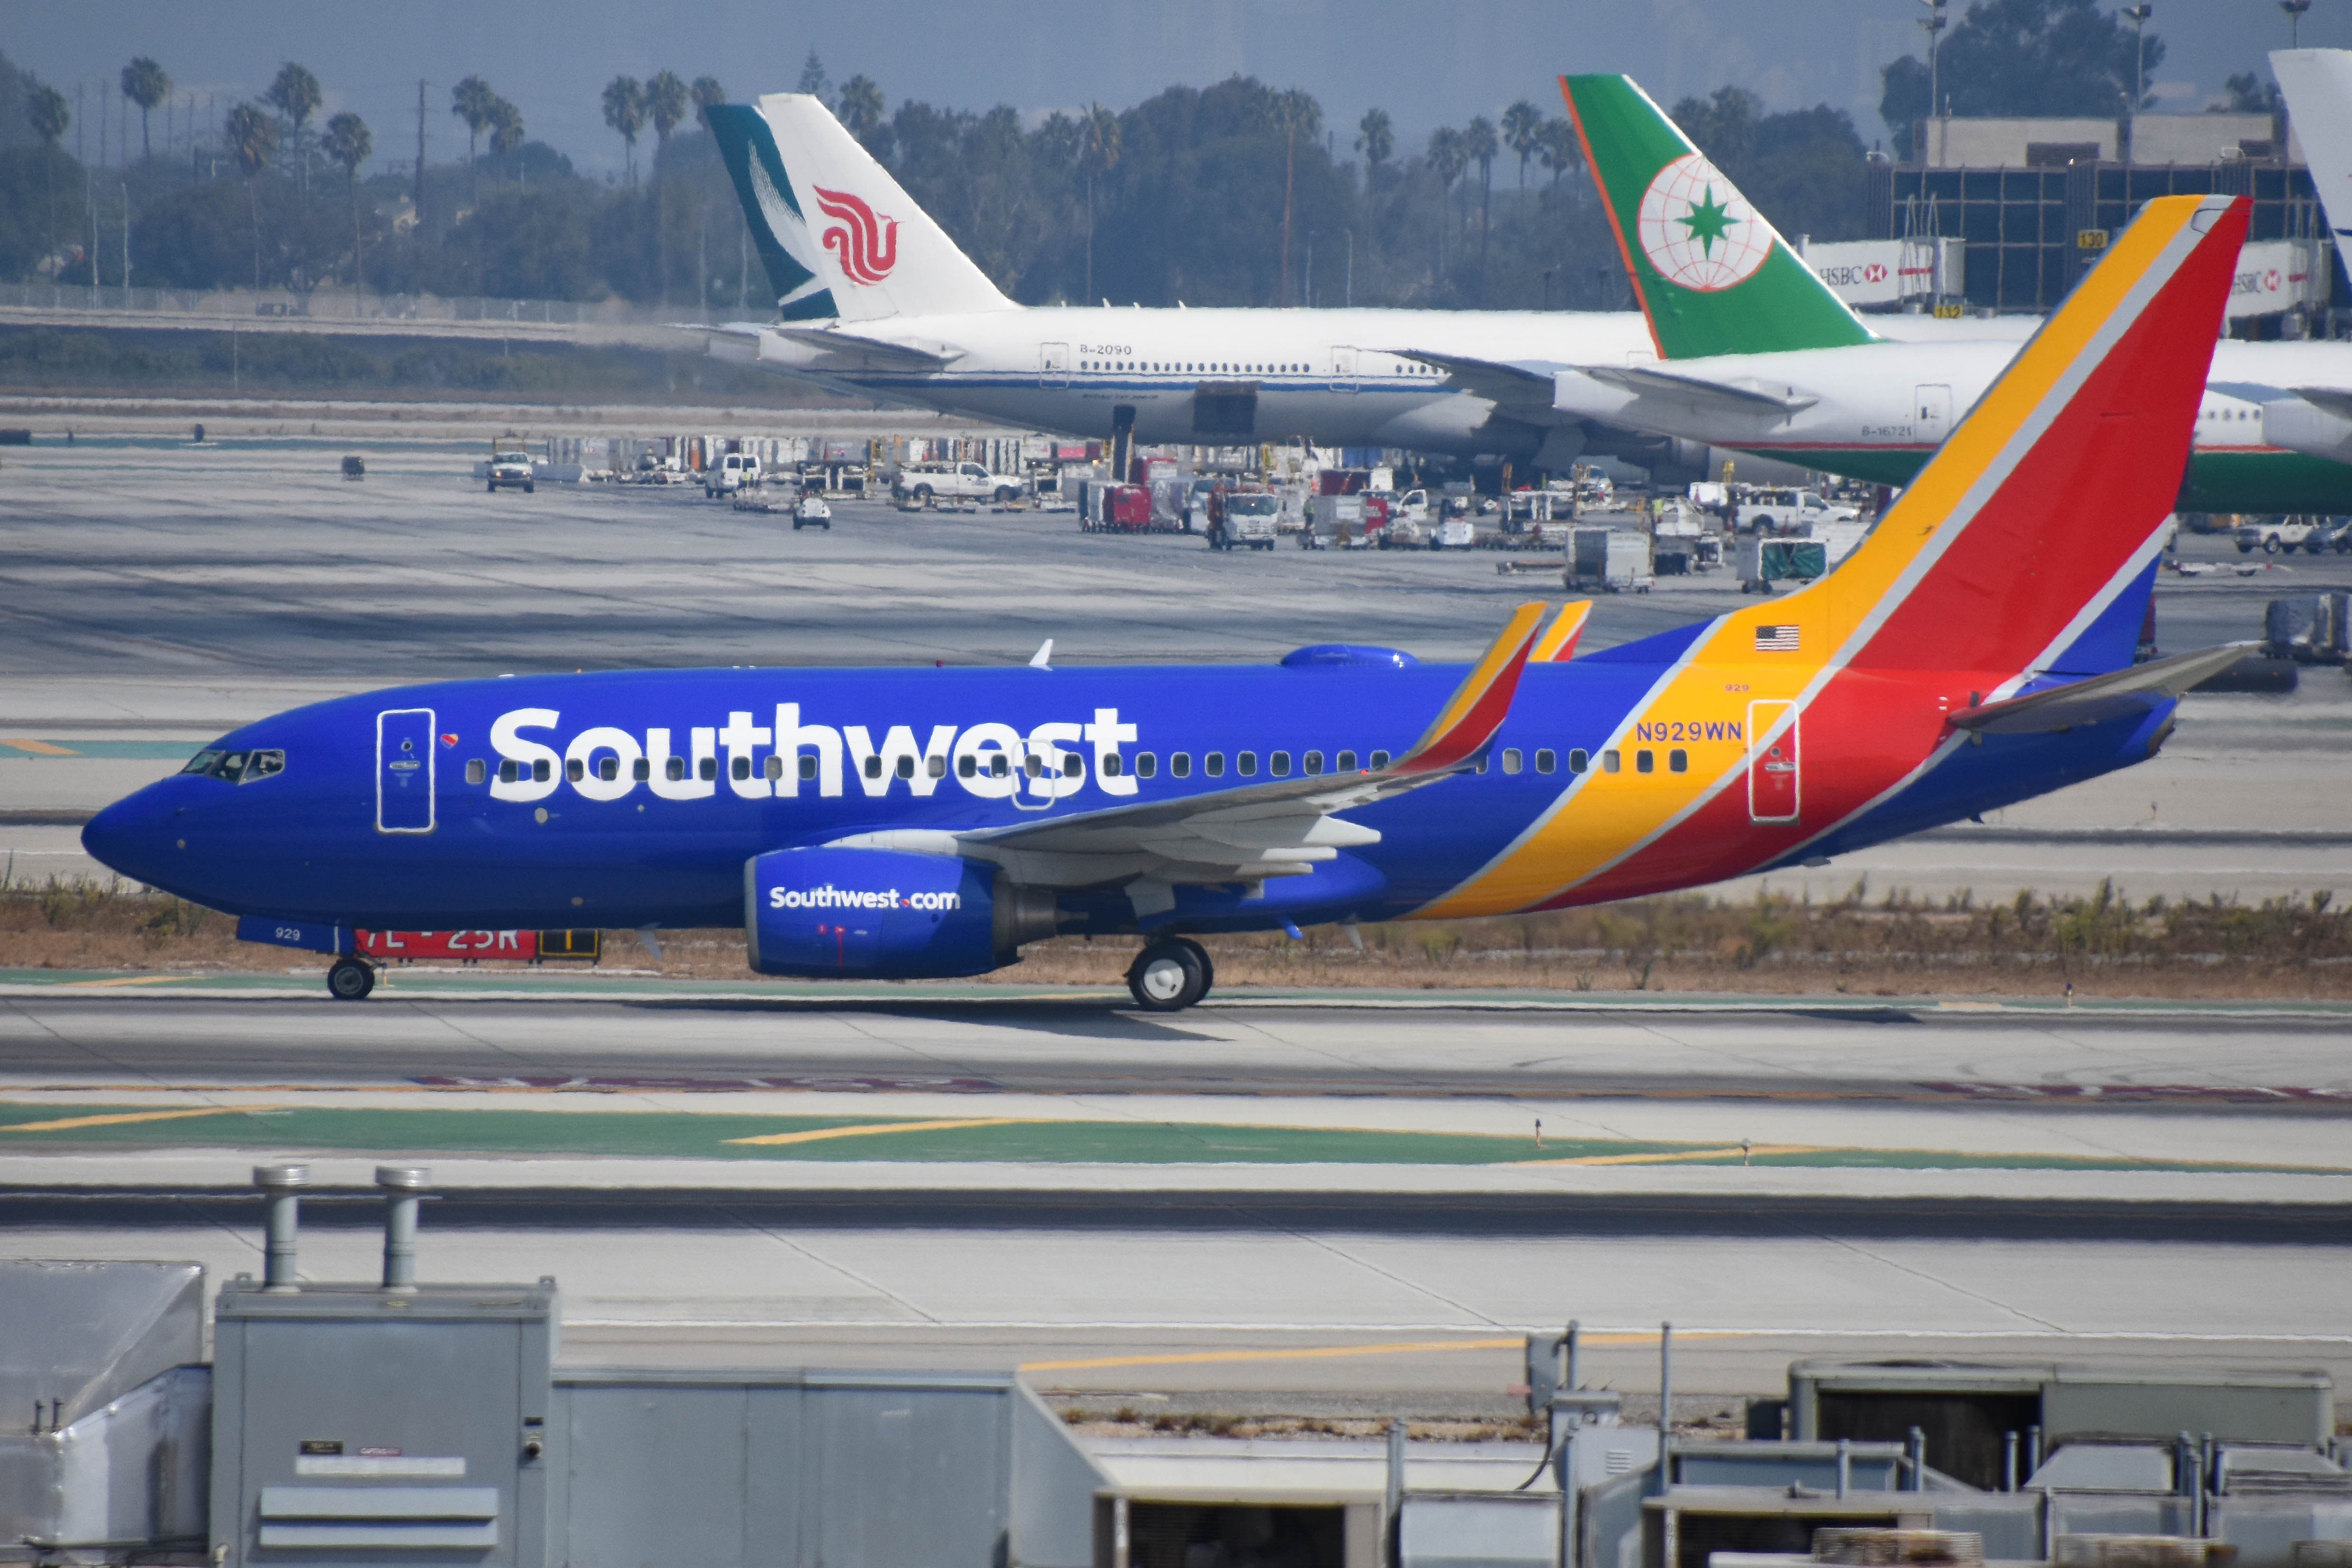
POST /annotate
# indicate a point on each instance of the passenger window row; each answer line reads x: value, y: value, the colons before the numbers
x: 242, y: 766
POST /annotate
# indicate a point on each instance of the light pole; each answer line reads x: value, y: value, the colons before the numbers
x: 1934, y: 23
x: 2295, y: 10
x: 2138, y: 16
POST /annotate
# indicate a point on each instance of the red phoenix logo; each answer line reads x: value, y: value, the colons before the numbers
x: 867, y: 246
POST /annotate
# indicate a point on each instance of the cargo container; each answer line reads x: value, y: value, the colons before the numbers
x: 1611, y: 559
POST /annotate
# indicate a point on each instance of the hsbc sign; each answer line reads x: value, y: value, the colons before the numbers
x: 2276, y: 275
x: 1887, y: 271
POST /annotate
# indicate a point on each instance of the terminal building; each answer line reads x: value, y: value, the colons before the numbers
x: 2006, y: 215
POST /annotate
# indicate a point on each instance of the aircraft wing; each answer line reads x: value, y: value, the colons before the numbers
x: 1732, y: 397
x: 1280, y: 828
x: 1513, y: 384
x: 2103, y: 697
x: 876, y: 353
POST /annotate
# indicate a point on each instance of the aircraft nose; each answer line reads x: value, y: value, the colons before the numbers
x: 133, y: 836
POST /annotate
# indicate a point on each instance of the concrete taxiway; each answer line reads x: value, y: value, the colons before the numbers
x: 2140, y: 1183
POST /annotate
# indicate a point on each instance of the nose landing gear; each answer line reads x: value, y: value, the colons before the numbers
x: 350, y: 979
x: 1170, y: 975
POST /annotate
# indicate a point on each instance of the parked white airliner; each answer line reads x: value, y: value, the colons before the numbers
x: 874, y: 300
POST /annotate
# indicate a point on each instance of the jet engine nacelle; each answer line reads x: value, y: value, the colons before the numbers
x: 885, y: 915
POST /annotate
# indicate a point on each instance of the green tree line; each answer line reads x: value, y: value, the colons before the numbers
x: 1235, y: 193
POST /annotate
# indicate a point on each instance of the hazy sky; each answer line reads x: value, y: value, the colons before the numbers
x: 1426, y: 62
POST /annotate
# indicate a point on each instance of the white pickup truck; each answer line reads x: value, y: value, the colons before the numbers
x: 955, y: 481
x: 1787, y: 510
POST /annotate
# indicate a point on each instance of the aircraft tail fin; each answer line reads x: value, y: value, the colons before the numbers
x: 2318, y: 88
x: 2029, y: 543
x: 1711, y: 274
x: 839, y: 237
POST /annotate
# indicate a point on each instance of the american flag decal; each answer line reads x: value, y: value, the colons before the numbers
x: 1776, y: 640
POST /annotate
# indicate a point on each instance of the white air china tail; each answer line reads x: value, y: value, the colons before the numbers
x: 875, y: 299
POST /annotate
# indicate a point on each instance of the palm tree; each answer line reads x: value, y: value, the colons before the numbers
x: 708, y: 95
x: 252, y: 139
x: 665, y: 105
x: 1447, y: 159
x: 46, y: 112
x: 295, y: 94
x: 1523, y: 127
x: 1559, y: 148
x: 145, y: 84
x: 624, y: 112
x: 1479, y: 144
x: 1376, y: 140
x: 506, y: 129
x: 347, y: 141
x: 470, y: 101
x: 1099, y: 146
x: 1298, y: 115
x: 862, y: 107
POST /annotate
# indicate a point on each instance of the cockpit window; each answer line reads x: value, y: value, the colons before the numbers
x: 237, y: 767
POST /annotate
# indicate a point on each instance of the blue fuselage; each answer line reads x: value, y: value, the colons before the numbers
x: 636, y: 799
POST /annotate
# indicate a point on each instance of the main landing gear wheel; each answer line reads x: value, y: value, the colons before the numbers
x: 349, y: 980
x: 1200, y: 956
x: 1168, y: 976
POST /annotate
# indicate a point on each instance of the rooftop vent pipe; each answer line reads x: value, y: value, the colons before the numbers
x: 403, y: 1185
x: 281, y: 1186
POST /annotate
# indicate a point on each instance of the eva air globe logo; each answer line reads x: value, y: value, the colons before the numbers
x: 1696, y: 228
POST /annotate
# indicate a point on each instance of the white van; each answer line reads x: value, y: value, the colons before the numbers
x: 736, y: 472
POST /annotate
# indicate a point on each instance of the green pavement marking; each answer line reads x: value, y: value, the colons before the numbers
x: 715, y: 1136
x: 26, y: 748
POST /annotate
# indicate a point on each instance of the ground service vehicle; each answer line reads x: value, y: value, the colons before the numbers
x: 1243, y: 518
x: 1786, y: 511
x: 510, y: 466
x: 736, y: 472
x: 2271, y: 535
x: 910, y: 823
x: 813, y: 513
x: 955, y: 481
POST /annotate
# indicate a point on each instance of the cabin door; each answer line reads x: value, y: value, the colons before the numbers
x: 1774, y: 779
x: 1053, y: 365
x: 403, y: 770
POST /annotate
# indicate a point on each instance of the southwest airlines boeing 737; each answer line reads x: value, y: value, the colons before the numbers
x: 1974, y: 650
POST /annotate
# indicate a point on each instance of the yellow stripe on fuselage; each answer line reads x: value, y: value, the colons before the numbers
x: 1602, y: 818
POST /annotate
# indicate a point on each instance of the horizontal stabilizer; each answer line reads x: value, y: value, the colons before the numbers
x: 874, y: 352
x: 2337, y: 400
x: 1733, y: 398
x: 2123, y: 694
